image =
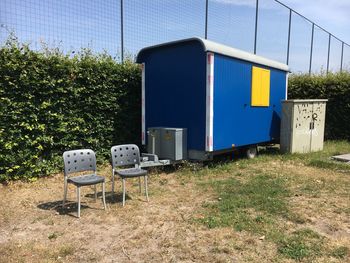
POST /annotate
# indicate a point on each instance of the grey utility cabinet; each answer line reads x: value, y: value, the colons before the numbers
x: 302, y: 125
x: 168, y: 143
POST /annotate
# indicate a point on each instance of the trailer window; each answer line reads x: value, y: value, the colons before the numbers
x: 260, y: 87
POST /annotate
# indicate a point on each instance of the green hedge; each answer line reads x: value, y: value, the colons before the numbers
x: 336, y: 88
x: 52, y: 102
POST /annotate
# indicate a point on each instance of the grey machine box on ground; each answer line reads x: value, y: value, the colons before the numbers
x: 168, y: 143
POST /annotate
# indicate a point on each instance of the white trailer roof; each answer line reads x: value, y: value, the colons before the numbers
x: 210, y: 46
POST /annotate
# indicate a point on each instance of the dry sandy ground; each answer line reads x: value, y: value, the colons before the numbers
x: 34, y: 228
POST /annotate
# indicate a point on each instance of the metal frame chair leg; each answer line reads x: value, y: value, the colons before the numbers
x: 65, y: 192
x: 140, y: 185
x: 123, y: 191
x: 112, y: 181
x: 78, y: 197
x: 103, y: 195
x: 146, y: 187
x: 95, y: 193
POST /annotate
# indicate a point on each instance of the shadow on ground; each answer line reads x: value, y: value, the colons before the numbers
x: 71, y: 207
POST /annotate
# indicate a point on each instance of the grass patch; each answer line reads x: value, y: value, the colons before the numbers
x: 330, y: 165
x: 253, y: 195
x: 340, y: 252
x: 322, y: 159
x: 65, y: 251
x: 301, y: 244
x: 238, y: 166
x: 255, y: 206
x: 250, y: 205
x: 34, y: 252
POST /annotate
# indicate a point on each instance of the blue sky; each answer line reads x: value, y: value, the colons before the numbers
x: 96, y: 24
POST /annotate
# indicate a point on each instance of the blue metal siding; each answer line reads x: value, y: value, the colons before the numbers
x: 175, y: 87
x: 235, y: 121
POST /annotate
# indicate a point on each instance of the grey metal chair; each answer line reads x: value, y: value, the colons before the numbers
x: 81, y: 161
x: 127, y: 155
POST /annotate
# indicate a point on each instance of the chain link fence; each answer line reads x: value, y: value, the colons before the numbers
x: 122, y: 27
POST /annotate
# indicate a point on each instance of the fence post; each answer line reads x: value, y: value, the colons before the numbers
x: 256, y: 24
x: 329, y: 51
x: 342, y: 56
x: 122, y: 30
x: 312, y: 46
x: 206, y: 19
x: 289, y: 30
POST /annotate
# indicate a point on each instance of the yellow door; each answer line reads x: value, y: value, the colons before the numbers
x: 260, y: 87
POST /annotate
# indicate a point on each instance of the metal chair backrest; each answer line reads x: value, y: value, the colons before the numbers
x: 125, y: 155
x: 79, y: 161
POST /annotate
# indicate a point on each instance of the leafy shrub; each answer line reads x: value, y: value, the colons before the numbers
x: 334, y: 87
x: 52, y: 102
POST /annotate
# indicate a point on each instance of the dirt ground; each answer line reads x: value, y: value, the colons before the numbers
x: 35, y: 228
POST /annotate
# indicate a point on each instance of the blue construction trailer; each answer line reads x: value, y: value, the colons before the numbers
x: 225, y: 98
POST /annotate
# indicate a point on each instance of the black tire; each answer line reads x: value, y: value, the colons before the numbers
x: 251, y: 152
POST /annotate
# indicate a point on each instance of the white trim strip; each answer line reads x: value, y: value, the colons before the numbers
x: 286, y: 96
x: 209, y: 103
x: 143, y: 113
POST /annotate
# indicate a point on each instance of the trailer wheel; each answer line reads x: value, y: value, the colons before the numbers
x: 251, y: 152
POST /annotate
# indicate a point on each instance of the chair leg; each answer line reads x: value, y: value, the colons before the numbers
x: 95, y: 193
x: 78, y: 196
x: 103, y: 195
x: 146, y: 188
x: 65, y: 192
x: 140, y: 184
x: 112, y: 182
x: 123, y: 191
